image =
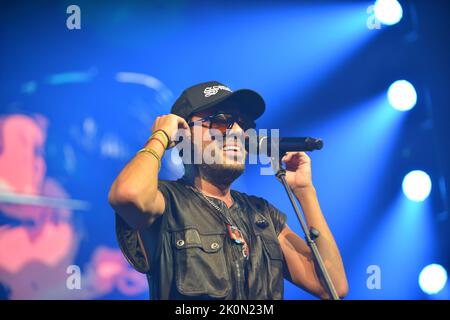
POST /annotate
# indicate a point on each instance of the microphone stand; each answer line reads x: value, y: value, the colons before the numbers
x: 310, y: 233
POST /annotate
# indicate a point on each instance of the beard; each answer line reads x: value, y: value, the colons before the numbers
x: 221, y: 174
x: 219, y: 169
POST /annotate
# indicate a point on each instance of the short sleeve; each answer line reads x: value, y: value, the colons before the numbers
x: 131, y: 245
x: 164, y: 189
x: 278, y: 217
x: 131, y: 241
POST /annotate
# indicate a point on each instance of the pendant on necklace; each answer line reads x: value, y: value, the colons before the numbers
x: 235, y: 234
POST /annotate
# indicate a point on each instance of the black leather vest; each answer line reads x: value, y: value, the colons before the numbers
x: 183, y: 253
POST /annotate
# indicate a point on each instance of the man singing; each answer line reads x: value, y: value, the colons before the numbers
x: 196, y: 238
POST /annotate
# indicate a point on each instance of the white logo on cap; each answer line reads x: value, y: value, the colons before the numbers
x: 210, y: 91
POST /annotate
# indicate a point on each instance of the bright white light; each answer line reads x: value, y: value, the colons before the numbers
x: 432, y: 278
x: 402, y: 96
x: 416, y: 185
x: 388, y: 12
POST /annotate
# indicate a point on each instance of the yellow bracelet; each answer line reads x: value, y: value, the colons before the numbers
x: 166, y: 135
x: 152, y: 152
x: 161, y: 134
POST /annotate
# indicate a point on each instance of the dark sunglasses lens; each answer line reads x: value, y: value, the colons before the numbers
x: 223, y: 122
x: 220, y: 122
x: 245, y: 123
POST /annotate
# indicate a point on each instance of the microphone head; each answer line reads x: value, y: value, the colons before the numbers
x: 314, y: 143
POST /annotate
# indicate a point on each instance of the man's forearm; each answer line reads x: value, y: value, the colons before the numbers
x: 325, y: 242
x: 138, y: 181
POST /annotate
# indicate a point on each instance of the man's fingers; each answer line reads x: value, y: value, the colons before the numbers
x: 184, y: 124
x: 302, y: 155
x: 288, y: 156
x: 292, y: 155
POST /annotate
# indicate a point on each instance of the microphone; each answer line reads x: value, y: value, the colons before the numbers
x: 268, y: 145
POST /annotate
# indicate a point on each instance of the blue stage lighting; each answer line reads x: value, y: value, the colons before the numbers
x: 388, y: 12
x: 417, y: 185
x: 402, y: 96
x: 432, y: 278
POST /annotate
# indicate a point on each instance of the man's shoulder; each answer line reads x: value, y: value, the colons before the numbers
x: 171, y: 184
x: 174, y: 189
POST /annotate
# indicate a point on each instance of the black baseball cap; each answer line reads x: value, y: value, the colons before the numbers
x: 211, y: 94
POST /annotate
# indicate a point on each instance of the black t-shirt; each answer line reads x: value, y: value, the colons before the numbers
x: 188, y: 253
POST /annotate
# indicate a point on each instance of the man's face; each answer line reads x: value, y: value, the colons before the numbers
x: 222, y: 152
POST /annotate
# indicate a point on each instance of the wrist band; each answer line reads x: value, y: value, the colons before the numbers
x: 163, y: 136
x: 159, y: 133
x: 153, y: 153
x: 156, y: 138
x: 166, y: 135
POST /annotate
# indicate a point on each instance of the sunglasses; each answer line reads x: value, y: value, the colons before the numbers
x: 225, y: 121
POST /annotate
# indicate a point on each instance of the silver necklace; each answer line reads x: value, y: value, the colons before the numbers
x: 245, y: 248
x: 212, y: 203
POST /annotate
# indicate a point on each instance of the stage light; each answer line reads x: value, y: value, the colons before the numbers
x: 402, y: 96
x: 432, y: 278
x: 416, y: 185
x: 388, y: 12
